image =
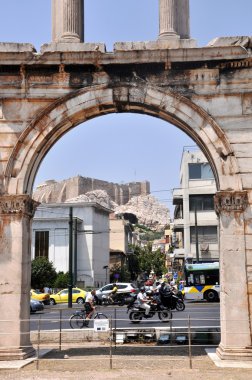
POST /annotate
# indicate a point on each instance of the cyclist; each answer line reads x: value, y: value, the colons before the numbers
x: 113, y: 292
x: 89, y: 303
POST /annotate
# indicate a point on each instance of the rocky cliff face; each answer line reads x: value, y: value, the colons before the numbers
x: 147, y: 209
x: 96, y: 196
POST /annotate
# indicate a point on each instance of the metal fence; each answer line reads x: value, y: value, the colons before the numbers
x: 118, y: 346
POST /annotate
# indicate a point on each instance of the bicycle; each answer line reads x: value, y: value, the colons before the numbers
x: 78, y: 318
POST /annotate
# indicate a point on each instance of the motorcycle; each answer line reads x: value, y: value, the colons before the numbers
x: 174, y: 302
x: 137, y: 313
x: 120, y: 299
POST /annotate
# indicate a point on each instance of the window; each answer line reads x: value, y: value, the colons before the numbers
x: 122, y: 286
x: 64, y: 292
x: 107, y: 287
x: 206, y: 234
x: 198, y: 279
x: 41, y: 243
x: 201, y: 202
x: 194, y: 171
x: 200, y: 171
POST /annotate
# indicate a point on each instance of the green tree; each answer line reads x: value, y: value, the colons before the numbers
x: 62, y: 280
x: 145, y: 260
x: 43, y: 273
x: 122, y: 271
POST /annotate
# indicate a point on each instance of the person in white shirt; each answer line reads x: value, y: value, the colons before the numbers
x: 142, y: 298
x: 89, y: 303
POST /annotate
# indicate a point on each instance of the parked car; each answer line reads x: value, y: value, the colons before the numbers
x: 123, y: 287
x: 78, y: 296
x: 36, y: 306
x: 39, y: 296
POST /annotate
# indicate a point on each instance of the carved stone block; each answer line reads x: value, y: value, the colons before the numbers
x: 18, y: 204
x: 230, y: 201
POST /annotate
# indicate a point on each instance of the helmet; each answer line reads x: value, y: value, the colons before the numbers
x: 142, y: 288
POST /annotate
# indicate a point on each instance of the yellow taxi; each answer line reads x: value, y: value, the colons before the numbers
x: 78, y: 296
x: 39, y: 296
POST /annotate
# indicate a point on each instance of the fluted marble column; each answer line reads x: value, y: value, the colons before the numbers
x: 183, y: 18
x: 167, y: 19
x: 68, y: 20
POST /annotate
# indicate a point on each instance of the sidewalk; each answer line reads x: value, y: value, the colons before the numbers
x: 85, y: 363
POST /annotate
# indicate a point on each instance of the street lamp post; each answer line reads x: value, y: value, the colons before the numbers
x: 106, y: 268
x: 70, y: 286
x: 196, y: 233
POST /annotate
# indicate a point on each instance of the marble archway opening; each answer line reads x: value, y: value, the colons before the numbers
x: 17, y: 206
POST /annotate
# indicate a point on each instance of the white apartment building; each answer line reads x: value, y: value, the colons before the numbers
x: 194, y: 215
x: 50, y: 238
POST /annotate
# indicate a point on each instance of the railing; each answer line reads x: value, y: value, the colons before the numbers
x: 122, y: 345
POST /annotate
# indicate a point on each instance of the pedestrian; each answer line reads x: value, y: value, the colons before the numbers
x: 46, y: 289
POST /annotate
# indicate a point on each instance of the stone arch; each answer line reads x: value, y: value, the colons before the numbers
x: 77, y: 107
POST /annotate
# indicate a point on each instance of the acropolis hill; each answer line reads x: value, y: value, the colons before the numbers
x: 55, y: 192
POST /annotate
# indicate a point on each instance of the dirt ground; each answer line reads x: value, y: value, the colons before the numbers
x: 126, y: 362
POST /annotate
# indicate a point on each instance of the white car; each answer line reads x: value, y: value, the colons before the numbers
x: 123, y: 287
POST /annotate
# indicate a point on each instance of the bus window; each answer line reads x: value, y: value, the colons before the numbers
x: 202, y: 279
x: 190, y: 280
x: 199, y: 279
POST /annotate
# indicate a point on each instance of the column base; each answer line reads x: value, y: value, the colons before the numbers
x: 168, y: 36
x: 238, y: 354
x: 16, y: 353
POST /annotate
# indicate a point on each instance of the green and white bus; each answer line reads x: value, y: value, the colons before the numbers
x: 202, y: 282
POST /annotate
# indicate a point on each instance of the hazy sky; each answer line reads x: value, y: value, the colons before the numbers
x: 125, y: 147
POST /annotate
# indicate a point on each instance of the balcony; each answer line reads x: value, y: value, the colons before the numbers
x: 178, y: 225
x: 177, y: 197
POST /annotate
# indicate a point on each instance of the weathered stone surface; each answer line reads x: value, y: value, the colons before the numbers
x: 171, y: 43
x: 244, y: 41
x: 13, y: 47
x: 205, y: 92
x: 73, y: 46
x: 15, y: 269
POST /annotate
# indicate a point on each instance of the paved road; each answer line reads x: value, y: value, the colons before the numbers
x: 200, y: 314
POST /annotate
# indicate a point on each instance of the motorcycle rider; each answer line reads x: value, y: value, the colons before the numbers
x: 113, y: 293
x: 143, y: 300
x: 165, y: 293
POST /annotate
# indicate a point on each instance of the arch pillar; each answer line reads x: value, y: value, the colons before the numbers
x: 235, y: 315
x: 16, y: 212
